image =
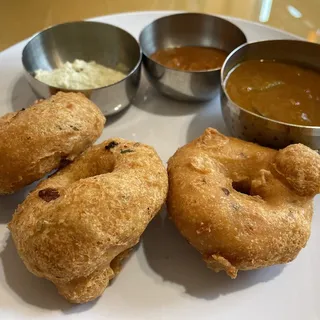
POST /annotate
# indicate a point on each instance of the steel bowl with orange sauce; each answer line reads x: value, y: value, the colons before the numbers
x: 183, y: 54
x: 271, y: 93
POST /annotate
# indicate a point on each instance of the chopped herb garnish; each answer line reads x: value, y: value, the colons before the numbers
x: 126, y: 150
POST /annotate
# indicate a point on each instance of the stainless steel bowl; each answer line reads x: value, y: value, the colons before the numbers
x: 187, y: 29
x: 106, y: 44
x: 252, y: 127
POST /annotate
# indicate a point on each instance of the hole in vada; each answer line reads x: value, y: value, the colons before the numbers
x: 242, y: 186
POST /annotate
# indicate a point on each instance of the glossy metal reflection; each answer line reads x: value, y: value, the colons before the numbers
x: 100, y: 42
x: 252, y: 127
x: 187, y: 29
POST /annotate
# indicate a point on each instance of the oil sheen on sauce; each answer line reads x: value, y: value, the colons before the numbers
x: 190, y: 58
x: 276, y: 90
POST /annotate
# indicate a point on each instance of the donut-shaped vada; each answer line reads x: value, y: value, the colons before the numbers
x: 76, y: 227
x: 44, y: 136
x: 243, y: 206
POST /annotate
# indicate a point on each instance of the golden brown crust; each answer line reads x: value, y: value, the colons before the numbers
x: 241, y: 205
x: 301, y: 172
x: 93, y: 211
x: 34, y: 141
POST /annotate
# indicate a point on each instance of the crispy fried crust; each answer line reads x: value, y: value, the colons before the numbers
x: 241, y: 205
x: 35, y: 141
x: 76, y: 227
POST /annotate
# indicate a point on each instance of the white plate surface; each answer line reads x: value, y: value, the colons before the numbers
x: 164, y: 278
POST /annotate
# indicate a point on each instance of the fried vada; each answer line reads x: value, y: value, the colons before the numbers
x: 77, y: 226
x: 243, y: 206
x: 44, y: 136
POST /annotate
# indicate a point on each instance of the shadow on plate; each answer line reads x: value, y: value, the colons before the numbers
x: 116, y: 117
x: 22, y: 95
x: 36, y: 291
x: 208, y: 116
x: 10, y: 202
x: 31, y: 289
x: 149, y: 100
x: 170, y: 256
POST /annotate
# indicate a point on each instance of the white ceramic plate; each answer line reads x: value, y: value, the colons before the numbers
x: 164, y: 278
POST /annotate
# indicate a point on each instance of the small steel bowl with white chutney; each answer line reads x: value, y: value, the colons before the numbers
x: 250, y: 126
x: 185, y: 30
x: 105, y: 44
